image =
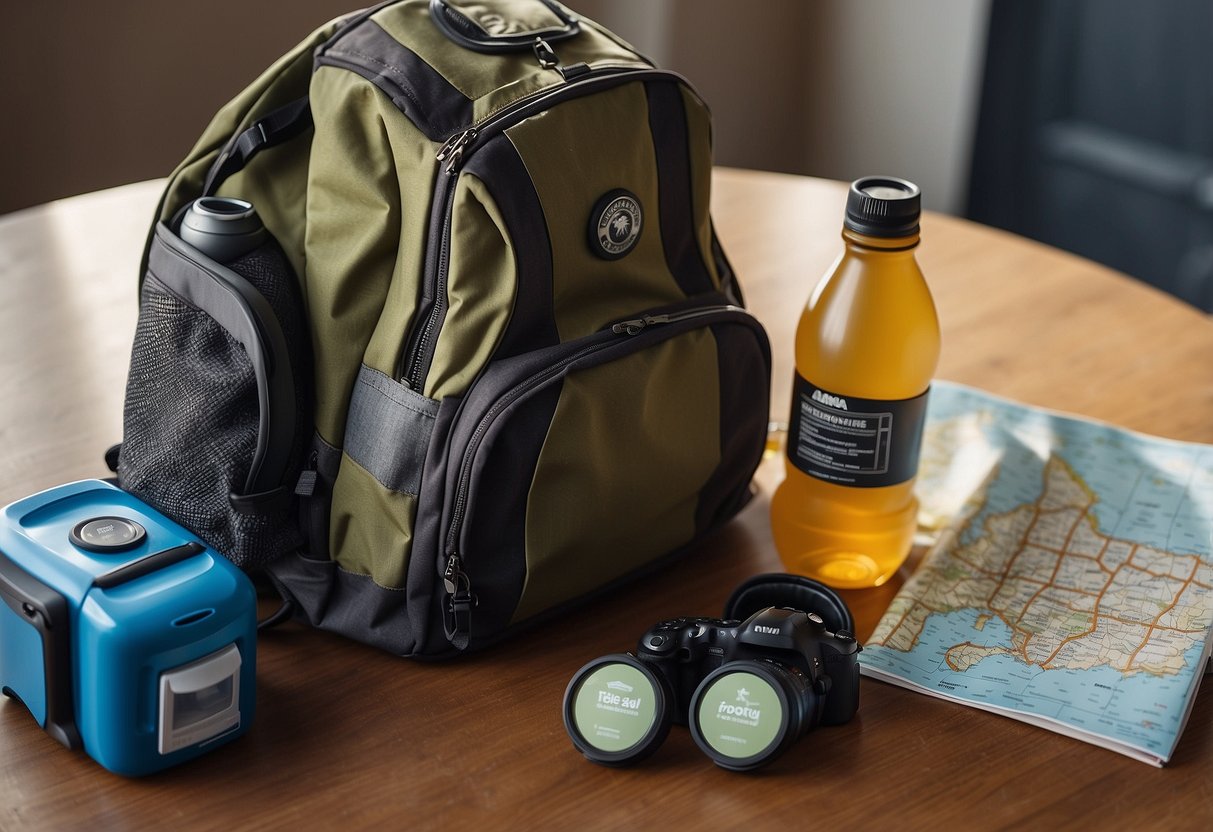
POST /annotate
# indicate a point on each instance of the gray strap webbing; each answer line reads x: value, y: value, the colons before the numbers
x: 388, y: 430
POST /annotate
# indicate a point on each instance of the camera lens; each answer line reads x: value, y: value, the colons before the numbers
x: 746, y: 713
x: 616, y: 710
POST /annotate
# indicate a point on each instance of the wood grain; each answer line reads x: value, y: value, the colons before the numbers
x: 348, y: 736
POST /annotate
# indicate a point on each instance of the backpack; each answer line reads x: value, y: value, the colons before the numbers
x: 496, y: 359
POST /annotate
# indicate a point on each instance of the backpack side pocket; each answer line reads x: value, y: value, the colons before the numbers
x: 216, y: 414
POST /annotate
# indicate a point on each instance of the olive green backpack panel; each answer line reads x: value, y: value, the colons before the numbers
x: 620, y: 472
x: 494, y: 84
x: 284, y: 81
x: 369, y: 187
x: 372, y: 527
x: 481, y: 286
x: 631, y: 51
x: 575, y: 155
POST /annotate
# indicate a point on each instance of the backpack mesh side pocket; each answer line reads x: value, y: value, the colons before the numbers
x: 194, y: 426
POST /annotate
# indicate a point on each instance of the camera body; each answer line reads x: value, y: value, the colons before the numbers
x: 685, y: 650
x: 121, y: 632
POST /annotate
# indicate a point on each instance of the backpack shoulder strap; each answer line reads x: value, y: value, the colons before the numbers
x: 278, y: 126
x: 283, y: 83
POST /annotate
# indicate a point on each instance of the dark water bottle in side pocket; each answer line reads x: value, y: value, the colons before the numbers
x: 223, y: 228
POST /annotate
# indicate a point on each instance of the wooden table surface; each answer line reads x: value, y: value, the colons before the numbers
x: 347, y: 736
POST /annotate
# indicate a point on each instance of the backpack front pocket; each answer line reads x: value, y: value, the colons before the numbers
x: 216, y: 415
x: 570, y: 467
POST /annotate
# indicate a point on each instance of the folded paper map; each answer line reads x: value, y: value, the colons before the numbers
x: 1070, y: 582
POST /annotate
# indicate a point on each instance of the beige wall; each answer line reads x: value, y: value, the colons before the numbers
x: 95, y: 94
x: 835, y: 88
x: 897, y: 92
x: 757, y: 78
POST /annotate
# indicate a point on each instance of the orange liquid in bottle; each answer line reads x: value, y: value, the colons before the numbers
x: 866, y: 348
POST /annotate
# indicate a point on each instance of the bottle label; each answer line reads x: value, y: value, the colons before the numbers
x: 852, y: 441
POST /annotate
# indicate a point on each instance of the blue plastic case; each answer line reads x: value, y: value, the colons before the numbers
x: 126, y: 636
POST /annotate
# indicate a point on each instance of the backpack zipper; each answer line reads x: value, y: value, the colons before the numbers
x: 635, y: 326
x: 419, y: 346
x: 456, y: 582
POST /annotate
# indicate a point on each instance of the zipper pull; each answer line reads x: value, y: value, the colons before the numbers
x: 545, y: 54
x: 632, y: 327
x: 452, y: 150
x: 454, y: 578
x: 459, y: 602
x: 637, y: 325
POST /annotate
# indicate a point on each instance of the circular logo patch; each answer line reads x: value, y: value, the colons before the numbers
x: 615, y: 224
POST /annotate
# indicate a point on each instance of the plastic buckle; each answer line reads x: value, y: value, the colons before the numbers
x: 459, y: 613
x: 545, y: 54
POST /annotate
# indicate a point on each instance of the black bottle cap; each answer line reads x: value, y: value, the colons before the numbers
x: 223, y: 228
x: 883, y: 206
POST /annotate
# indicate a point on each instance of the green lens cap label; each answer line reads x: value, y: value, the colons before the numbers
x: 615, y: 707
x: 739, y: 715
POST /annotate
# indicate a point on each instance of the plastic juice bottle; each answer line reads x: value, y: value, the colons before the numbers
x: 866, y: 349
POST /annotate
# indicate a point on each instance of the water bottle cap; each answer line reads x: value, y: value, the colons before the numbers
x: 222, y: 215
x: 883, y: 206
x: 222, y: 227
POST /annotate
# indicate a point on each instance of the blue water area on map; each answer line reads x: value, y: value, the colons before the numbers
x: 1150, y: 491
x: 1140, y: 709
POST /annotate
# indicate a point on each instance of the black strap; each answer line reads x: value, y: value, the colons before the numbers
x: 263, y: 502
x: 283, y: 613
x: 147, y: 565
x: 453, y: 23
x: 286, y: 610
x: 275, y: 128
x: 777, y: 589
x: 459, y: 619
